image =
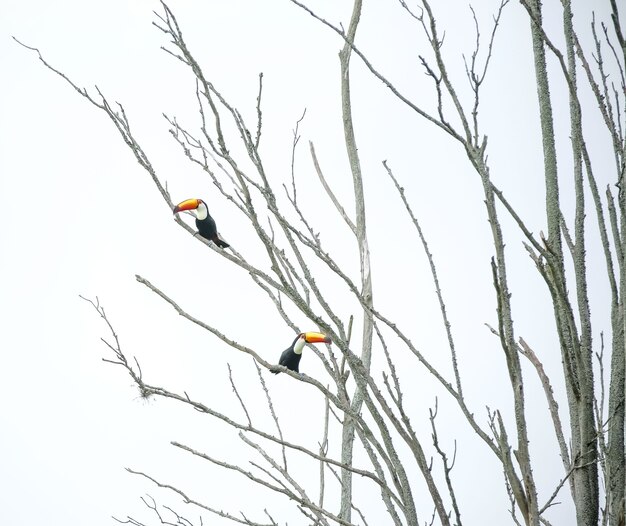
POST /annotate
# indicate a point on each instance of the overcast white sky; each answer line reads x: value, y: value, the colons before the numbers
x: 81, y: 217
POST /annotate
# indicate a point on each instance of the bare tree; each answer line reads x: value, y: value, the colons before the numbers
x: 367, y: 407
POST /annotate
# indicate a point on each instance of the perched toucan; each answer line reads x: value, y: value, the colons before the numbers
x: 204, y: 222
x: 291, y: 356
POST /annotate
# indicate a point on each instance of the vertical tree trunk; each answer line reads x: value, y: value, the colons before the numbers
x: 589, y: 454
x: 616, y: 478
x: 348, y: 431
x: 576, y: 353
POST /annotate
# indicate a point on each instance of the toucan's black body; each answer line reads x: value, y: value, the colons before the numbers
x: 208, y: 230
x: 289, y: 358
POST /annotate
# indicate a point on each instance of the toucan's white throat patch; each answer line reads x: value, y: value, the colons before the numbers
x: 299, y: 345
x: 199, y: 213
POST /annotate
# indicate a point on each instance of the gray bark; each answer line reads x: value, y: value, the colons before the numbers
x: 576, y: 351
x: 348, y: 431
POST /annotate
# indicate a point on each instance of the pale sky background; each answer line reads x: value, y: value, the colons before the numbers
x: 80, y: 216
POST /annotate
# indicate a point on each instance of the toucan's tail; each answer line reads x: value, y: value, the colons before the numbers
x: 220, y: 242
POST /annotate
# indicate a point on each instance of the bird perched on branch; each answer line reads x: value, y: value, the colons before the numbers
x: 291, y: 356
x: 204, y: 222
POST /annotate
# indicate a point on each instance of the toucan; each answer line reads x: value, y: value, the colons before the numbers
x: 292, y: 355
x: 204, y: 222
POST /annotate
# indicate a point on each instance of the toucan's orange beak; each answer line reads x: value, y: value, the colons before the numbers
x: 188, y: 204
x: 316, y: 337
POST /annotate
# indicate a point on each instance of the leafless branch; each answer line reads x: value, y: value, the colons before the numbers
x: 273, y: 413
x: 447, y: 466
x: 243, y: 406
